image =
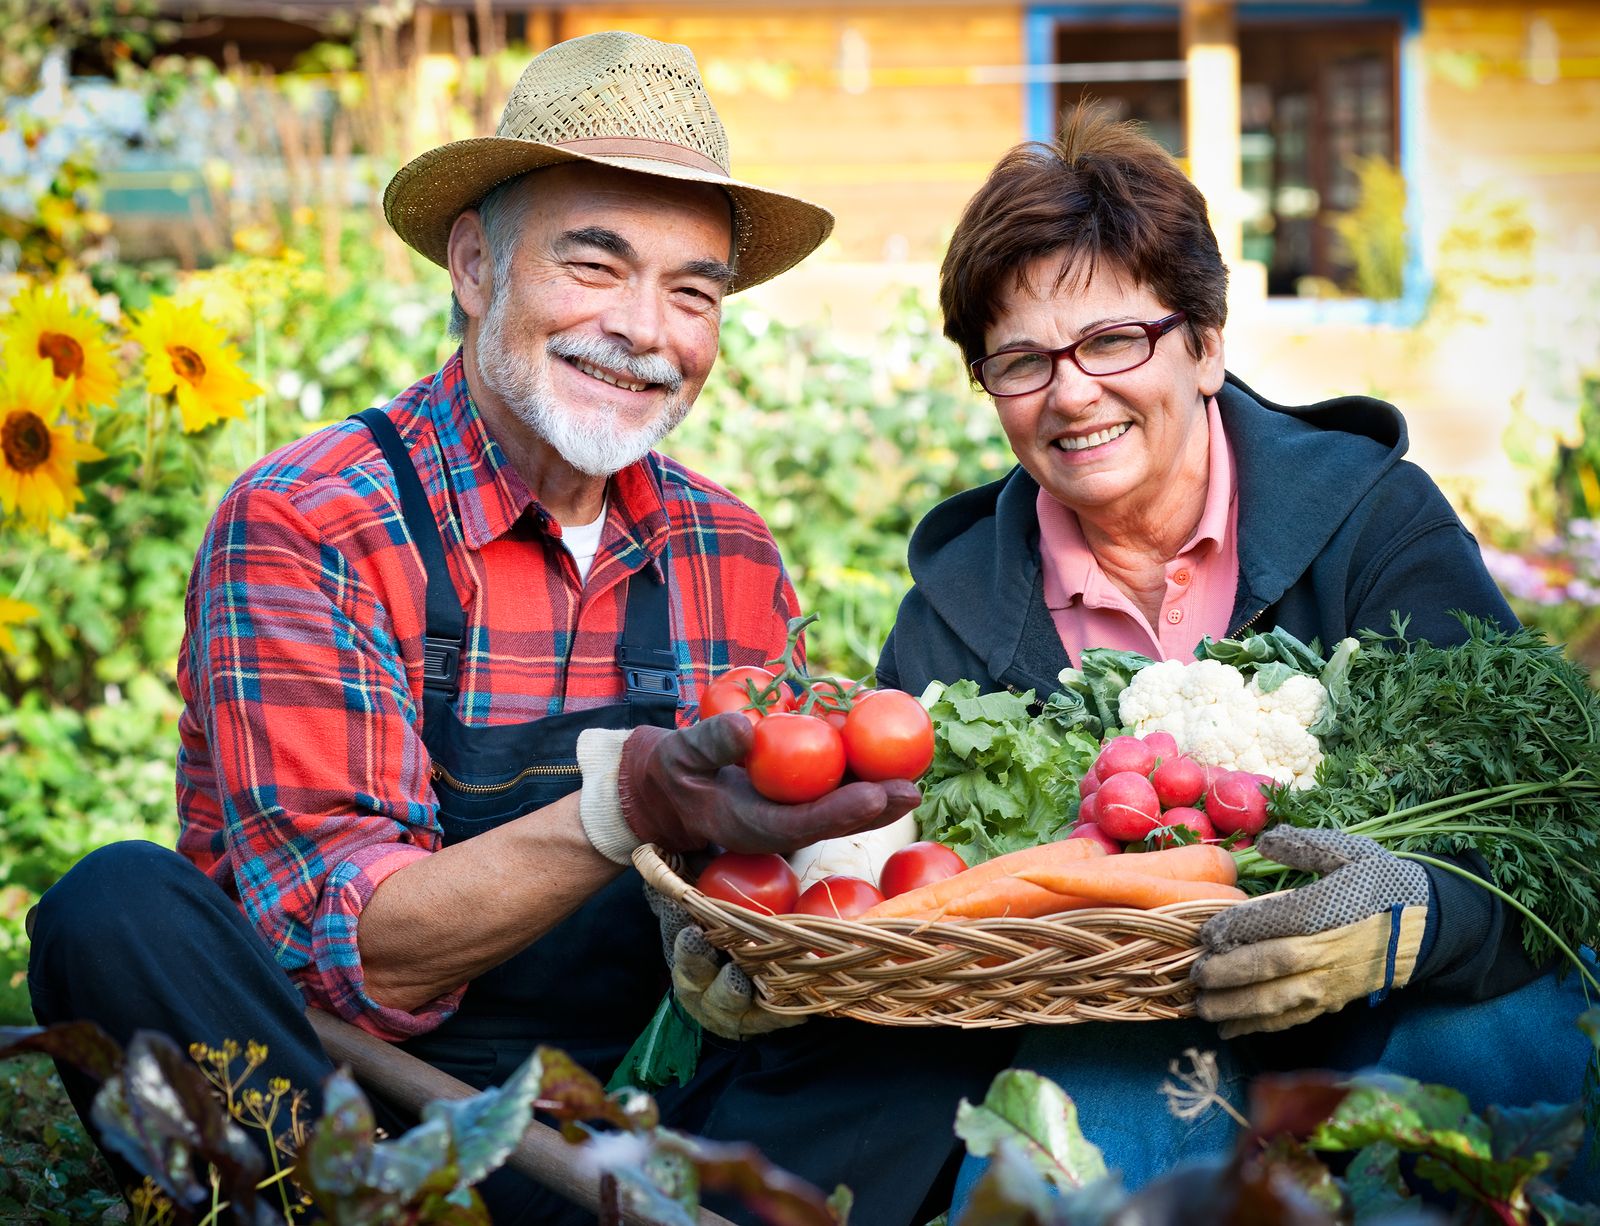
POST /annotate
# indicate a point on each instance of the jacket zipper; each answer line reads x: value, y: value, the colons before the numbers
x: 1254, y: 617
x: 482, y: 789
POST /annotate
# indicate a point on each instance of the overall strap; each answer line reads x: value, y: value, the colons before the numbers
x: 446, y: 625
x: 649, y: 664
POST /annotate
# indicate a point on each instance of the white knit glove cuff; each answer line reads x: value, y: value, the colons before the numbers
x: 599, y: 807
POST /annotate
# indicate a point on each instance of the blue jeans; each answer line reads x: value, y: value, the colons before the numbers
x: 1515, y: 1050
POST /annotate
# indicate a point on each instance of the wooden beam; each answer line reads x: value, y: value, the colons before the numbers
x: 411, y: 1084
x: 1211, y: 116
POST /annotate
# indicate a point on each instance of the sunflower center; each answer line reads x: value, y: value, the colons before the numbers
x: 24, y: 440
x: 187, y: 363
x: 65, y: 354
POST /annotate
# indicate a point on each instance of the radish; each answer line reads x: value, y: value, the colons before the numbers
x: 1124, y: 753
x: 1235, y: 803
x: 1088, y: 808
x: 1184, y: 816
x: 1089, y: 830
x: 1178, y: 781
x: 1164, y: 743
x: 1088, y: 784
x: 1127, y: 807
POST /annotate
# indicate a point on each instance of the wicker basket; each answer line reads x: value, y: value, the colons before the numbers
x: 1097, y: 965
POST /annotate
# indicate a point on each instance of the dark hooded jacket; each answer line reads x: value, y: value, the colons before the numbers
x: 1336, y: 533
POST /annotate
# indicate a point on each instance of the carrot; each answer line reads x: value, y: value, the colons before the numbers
x: 1109, y: 887
x: 1008, y: 897
x: 1188, y: 861
x: 1018, y: 893
x: 933, y: 898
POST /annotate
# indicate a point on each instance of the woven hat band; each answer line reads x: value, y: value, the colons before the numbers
x: 639, y: 147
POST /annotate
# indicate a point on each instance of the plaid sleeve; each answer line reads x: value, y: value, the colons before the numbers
x: 319, y: 768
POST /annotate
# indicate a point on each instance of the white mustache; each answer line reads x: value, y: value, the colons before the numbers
x: 641, y: 368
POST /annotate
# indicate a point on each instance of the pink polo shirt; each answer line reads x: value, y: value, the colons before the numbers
x: 1091, y: 611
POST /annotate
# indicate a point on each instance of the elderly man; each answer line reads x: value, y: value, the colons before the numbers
x: 442, y: 662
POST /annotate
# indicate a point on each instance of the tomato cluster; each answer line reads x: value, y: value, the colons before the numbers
x: 764, y: 882
x: 803, y: 747
x: 1141, y: 789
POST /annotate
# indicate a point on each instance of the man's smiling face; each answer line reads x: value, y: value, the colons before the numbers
x: 606, y: 327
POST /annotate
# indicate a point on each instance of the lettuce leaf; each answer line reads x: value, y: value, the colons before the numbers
x: 1005, y: 772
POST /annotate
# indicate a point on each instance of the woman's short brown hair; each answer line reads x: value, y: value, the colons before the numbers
x: 1103, y: 194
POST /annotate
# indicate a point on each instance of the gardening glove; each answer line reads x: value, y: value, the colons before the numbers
x: 711, y: 989
x: 681, y: 789
x: 1276, y: 962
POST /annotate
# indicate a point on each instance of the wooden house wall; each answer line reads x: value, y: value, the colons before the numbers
x: 1513, y: 108
x: 871, y: 112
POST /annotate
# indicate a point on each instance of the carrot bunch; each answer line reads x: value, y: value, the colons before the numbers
x: 1068, y: 875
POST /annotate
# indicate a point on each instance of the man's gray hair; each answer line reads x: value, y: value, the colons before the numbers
x: 501, y: 213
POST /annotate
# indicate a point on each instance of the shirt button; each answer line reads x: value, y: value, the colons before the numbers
x: 1182, y: 576
x: 1174, y: 616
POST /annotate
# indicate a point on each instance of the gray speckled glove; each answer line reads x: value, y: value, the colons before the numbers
x: 1275, y: 962
x: 711, y: 989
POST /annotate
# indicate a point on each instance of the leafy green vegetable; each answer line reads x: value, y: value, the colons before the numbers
x: 1486, y: 747
x: 1492, y: 1160
x: 1256, y: 652
x: 1089, y: 693
x: 667, y: 1050
x: 1034, y: 1114
x: 1002, y: 778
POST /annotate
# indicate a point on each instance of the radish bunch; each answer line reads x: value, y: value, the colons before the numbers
x: 1140, y: 788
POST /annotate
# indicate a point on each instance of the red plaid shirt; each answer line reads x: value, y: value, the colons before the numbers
x: 302, y: 777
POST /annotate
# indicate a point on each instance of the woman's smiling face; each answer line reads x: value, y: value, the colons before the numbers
x: 1108, y: 446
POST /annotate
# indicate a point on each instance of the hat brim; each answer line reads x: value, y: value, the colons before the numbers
x: 775, y: 231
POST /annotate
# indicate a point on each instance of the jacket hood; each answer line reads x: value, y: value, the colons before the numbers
x: 1300, y: 471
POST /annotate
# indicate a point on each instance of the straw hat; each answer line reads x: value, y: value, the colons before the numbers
x: 620, y: 100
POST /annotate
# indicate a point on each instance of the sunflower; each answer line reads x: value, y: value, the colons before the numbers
x: 46, y: 328
x: 13, y: 613
x: 187, y: 354
x: 39, y: 455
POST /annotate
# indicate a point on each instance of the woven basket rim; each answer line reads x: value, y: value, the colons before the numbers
x: 661, y: 871
x: 1093, y: 964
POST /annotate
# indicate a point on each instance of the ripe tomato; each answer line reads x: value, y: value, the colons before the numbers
x: 759, y: 881
x: 831, y: 695
x: 888, y: 735
x: 839, y: 897
x: 795, y: 758
x: 917, y: 865
x: 730, y: 692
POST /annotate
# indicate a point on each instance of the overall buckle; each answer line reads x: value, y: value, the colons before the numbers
x: 441, y: 664
x: 649, y: 675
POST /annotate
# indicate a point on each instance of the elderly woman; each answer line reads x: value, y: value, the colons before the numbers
x: 1157, y: 499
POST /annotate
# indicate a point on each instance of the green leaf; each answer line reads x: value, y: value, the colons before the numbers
x: 1373, y: 1182
x: 1549, y: 1131
x: 1036, y: 1114
x: 568, y: 1091
x: 667, y: 1049
x: 1455, y: 1148
x: 485, y: 1128
x: 1012, y: 1192
x: 1557, y: 1210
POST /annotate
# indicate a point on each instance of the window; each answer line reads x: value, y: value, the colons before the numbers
x: 1314, y: 95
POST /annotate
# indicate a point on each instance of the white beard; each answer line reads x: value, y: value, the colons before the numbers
x: 588, y: 436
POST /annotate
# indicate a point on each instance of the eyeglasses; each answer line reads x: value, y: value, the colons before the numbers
x: 1109, y: 351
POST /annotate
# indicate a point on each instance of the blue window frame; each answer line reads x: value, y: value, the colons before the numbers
x: 1135, y: 24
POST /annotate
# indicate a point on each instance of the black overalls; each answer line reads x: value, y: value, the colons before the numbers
x: 589, y: 985
x: 835, y: 1101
